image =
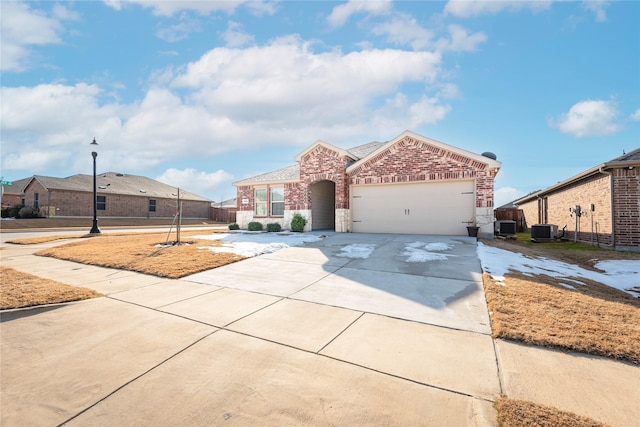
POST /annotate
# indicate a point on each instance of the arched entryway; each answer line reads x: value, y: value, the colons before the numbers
x: 323, y: 205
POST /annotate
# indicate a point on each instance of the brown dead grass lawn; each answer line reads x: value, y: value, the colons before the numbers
x: 521, y: 413
x: 138, y: 252
x: 18, y: 290
x: 592, y: 318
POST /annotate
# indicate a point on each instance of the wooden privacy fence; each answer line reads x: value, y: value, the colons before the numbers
x: 516, y: 215
x: 222, y: 215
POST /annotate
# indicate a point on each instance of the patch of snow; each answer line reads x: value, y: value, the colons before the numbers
x: 566, y: 285
x: 622, y: 275
x: 357, y: 250
x: 423, y: 252
x: 250, y: 244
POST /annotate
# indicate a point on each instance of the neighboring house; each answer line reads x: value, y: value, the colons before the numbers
x: 609, y: 199
x: 411, y: 184
x: 13, y: 194
x: 118, y: 195
x: 229, y: 204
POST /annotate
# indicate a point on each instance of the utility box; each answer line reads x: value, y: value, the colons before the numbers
x: 544, y: 232
x: 504, y: 227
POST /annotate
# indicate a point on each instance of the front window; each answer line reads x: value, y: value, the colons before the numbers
x: 36, y: 201
x: 261, y: 202
x: 101, y: 203
x: 277, y: 201
x: 152, y: 205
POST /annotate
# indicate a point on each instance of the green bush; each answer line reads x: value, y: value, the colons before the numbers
x: 254, y: 226
x: 234, y: 226
x: 27, y: 212
x: 273, y: 227
x: 298, y: 222
x: 5, y: 213
x: 13, y: 211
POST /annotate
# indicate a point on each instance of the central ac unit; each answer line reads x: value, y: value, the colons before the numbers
x: 504, y: 227
x: 543, y: 232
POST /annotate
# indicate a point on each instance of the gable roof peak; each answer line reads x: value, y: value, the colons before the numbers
x: 321, y: 143
x: 492, y: 163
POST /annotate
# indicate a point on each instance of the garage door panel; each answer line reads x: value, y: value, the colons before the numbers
x: 426, y: 208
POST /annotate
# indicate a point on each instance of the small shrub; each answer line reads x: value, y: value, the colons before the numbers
x: 27, y: 212
x: 274, y: 227
x: 14, y: 210
x: 298, y: 222
x: 254, y: 226
x: 5, y: 213
x: 234, y: 226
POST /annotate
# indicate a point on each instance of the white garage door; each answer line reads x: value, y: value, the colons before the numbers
x: 442, y: 207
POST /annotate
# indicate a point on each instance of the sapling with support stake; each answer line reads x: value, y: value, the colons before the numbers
x: 177, y: 216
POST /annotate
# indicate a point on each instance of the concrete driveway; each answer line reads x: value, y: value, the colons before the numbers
x: 317, y: 335
x: 429, y: 279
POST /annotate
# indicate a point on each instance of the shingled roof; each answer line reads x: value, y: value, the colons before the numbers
x: 16, y: 187
x: 627, y: 160
x: 628, y: 157
x: 116, y: 183
x: 292, y: 173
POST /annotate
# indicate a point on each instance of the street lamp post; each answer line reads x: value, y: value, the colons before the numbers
x: 94, y: 228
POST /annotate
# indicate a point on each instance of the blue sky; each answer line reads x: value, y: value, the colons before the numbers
x: 199, y: 94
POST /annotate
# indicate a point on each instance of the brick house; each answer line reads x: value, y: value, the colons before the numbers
x: 410, y: 184
x: 609, y: 199
x: 12, y: 194
x: 119, y: 195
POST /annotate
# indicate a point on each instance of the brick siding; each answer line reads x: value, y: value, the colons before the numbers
x: 408, y: 160
x: 595, y: 227
x: 75, y: 203
x: 626, y: 187
x: 411, y: 160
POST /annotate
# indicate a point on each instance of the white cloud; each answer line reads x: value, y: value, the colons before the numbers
x: 286, y: 80
x: 471, y: 8
x: 504, y: 195
x: 53, y: 112
x: 234, y: 36
x: 230, y: 99
x: 598, y: 8
x: 635, y: 116
x: 169, y: 8
x: 398, y: 109
x: 403, y: 29
x: 23, y: 28
x: 588, y: 118
x: 461, y: 40
x: 179, y: 30
x: 197, y: 182
x: 341, y: 14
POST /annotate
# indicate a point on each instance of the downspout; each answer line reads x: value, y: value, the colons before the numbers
x: 613, y: 213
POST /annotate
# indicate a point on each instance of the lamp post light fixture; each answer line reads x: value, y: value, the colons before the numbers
x: 94, y: 154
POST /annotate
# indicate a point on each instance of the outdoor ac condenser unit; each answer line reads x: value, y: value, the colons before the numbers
x: 504, y: 227
x: 543, y: 232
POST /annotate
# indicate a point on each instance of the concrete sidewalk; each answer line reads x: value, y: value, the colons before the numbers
x: 320, y: 345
